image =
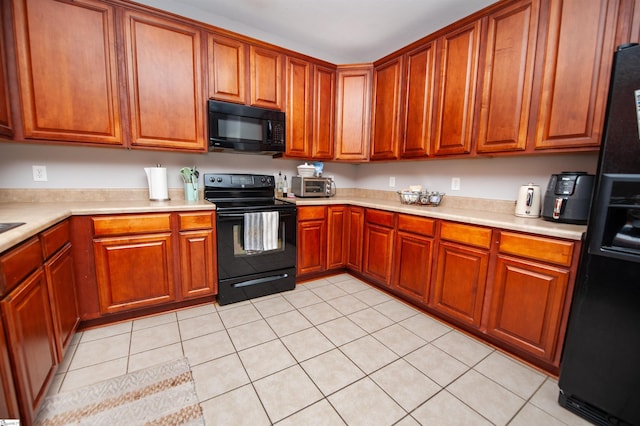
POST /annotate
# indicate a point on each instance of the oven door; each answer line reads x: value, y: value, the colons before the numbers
x: 234, y: 261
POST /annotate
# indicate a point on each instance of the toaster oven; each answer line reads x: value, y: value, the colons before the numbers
x: 302, y: 186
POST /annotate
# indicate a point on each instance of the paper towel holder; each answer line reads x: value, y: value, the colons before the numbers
x: 157, y: 180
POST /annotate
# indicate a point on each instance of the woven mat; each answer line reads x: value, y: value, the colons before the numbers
x: 160, y: 395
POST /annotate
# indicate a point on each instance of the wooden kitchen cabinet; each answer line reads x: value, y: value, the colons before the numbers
x: 353, y: 112
x: 379, y: 235
x: 529, y: 293
x: 6, y: 121
x: 164, y: 69
x: 461, y: 272
x: 413, y: 256
x: 133, y: 261
x: 9, y: 408
x: 266, y: 77
x: 198, y: 254
x: 508, y: 77
x: 337, y: 227
x: 458, y: 82
x: 299, y: 112
x: 227, y: 69
x: 385, y: 113
x: 312, y: 240
x: 355, y: 229
x: 68, y: 69
x: 324, y: 112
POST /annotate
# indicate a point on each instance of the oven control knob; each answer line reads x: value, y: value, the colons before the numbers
x: 269, y: 179
x: 219, y: 179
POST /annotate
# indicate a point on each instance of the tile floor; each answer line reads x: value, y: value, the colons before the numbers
x: 333, y: 351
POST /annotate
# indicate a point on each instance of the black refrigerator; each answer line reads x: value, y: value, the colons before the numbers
x: 600, y: 367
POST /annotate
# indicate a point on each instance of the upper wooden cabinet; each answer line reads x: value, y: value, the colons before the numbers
x: 227, y: 69
x: 385, y: 114
x: 6, y: 123
x: 68, y: 70
x: 299, y: 107
x: 164, y: 69
x: 508, y: 77
x: 266, y: 77
x: 324, y: 112
x: 353, y: 112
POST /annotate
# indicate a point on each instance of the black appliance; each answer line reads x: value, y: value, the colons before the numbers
x: 568, y: 197
x: 246, y: 129
x: 248, y: 272
x: 600, y: 371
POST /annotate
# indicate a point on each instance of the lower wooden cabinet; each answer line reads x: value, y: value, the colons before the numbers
x: 198, y: 254
x: 312, y: 240
x: 337, y: 217
x: 355, y: 228
x: 379, y: 233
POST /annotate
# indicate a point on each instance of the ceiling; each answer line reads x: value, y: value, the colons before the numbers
x: 337, y: 31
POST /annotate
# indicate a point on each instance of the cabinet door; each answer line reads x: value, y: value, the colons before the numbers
x: 227, y: 73
x: 461, y: 275
x: 378, y: 253
x: 198, y: 268
x: 355, y: 226
x: 324, y: 112
x: 299, y: 108
x: 508, y: 77
x: 336, y: 236
x: 353, y: 113
x: 533, y: 326
x: 134, y: 271
x: 164, y: 68
x: 385, y: 121
x: 30, y: 338
x: 6, y: 123
x: 8, y: 401
x: 459, y: 54
x: 266, y: 78
x: 413, y: 256
x: 577, y: 58
x: 62, y: 292
x: 312, y: 246
x: 419, y: 101
x: 67, y: 63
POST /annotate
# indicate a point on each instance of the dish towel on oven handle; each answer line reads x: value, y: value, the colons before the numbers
x: 261, y: 231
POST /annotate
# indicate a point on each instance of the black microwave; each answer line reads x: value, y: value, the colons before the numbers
x: 242, y: 128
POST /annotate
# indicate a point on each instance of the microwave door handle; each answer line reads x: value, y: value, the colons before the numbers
x: 269, y: 130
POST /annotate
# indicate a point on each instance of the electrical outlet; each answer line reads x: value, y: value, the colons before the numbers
x: 392, y: 181
x: 40, y: 173
x: 455, y: 184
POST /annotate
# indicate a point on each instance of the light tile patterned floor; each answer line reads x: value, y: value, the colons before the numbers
x: 333, y: 351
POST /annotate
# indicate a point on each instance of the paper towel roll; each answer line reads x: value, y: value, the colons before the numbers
x: 157, y: 178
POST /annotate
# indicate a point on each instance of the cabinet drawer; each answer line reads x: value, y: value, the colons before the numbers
x: 54, y: 238
x: 131, y: 224
x: 380, y: 217
x: 309, y: 213
x: 417, y: 225
x: 18, y: 263
x: 539, y: 248
x: 466, y: 234
x: 195, y: 221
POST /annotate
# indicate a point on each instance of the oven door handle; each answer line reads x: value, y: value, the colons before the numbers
x: 232, y: 215
x: 259, y: 280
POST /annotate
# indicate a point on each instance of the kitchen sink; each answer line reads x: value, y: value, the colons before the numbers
x: 9, y: 225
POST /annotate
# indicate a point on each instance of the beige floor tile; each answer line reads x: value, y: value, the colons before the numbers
x: 485, y: 396
x: 154, y: 337
x: 426, y: 327
x: 154, y: 321
x: 436, y: 364
x: 155, y: 356
x: 265, y: 359
x: 372, y: 297
x: 307, y: 343
x: 530, y: 415
x: 407, y: 421
x: 216, y: 377
x: 240, y: 407
x: 463, y: 348
x: 288, y: 323
x: 200, y: 325
x: 95, y: 373
x: 347, y: 304
x: 352, y: 285
x: 319, y: 414
x: 106, y: 331
x: 341, y: 331
x: 370, y: 320
x: 513, y: 375
x: 396, y: 310
x: 399, y: 339
x: 368, y: 354
x: 302, y: 298
x: 320, y: 312
x: 286, y: 392
x: 332, y: 371
x: 234, y: 305
x: 339, y: 278
x: 239, y: 315
x: 405, y: 384
x: 273, y: 306
x: 98, y: 351
x: 329, y: 291
x: 546, y: 398
x: 320, y: 282
x: 445, y: 409
x: 195, y: 311
x: 251, y: 334
x: 364, y: 403
x: 208, y: 347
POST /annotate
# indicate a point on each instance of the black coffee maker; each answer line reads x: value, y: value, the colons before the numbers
x: 568, y: 198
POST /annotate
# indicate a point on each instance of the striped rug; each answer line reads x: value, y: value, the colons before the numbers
x: 159, y: 395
